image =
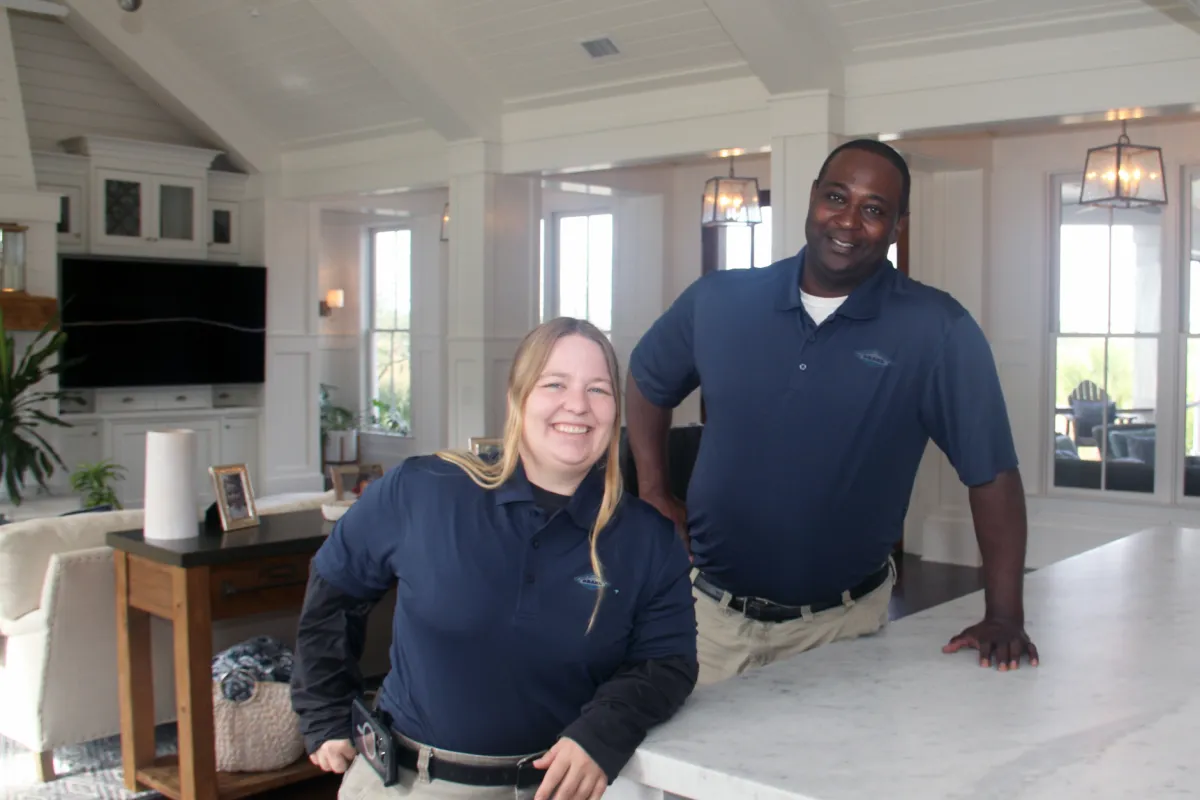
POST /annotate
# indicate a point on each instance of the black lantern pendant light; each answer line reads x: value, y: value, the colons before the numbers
x: 730, y: 201
x: 1124, y: 175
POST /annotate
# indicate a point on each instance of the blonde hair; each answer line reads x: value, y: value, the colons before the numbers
x: 528, y: 363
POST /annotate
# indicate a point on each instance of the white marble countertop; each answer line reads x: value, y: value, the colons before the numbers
x: 1113, y: 710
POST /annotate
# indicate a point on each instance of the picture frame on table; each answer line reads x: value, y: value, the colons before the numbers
x: 234, y: 495
x: 485, y: 446
x: 349, y: 480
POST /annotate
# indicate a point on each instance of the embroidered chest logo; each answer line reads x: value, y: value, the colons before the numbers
x: 873, y: 357
x: 590, y: 581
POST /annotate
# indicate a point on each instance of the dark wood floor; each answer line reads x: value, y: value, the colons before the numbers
x: 323, y: 788
x: 924, y: 584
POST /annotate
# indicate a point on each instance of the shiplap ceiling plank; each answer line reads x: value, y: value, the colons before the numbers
x: 403, y: 43
x: 884, y: 29
x: 283, y: 58
x: 532, y: 48
x: 792, y: 45
x: 314, y: 71
x: 152, y: 61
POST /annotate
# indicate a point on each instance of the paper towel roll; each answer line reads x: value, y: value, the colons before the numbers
x: 171, y: 496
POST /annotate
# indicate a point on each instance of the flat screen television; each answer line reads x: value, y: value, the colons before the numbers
x: 145, y: 322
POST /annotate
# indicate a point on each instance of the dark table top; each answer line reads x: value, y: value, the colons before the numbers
x: 275, y: 535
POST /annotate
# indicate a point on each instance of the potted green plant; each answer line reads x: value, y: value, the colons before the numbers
x: 94, y: 483
x: 24, y: 451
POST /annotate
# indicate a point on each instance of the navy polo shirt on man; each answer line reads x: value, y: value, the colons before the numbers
x: 490, y: 651
x: 813, y: 434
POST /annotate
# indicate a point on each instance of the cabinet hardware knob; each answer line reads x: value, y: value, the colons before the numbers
x: 126, y: 399
x: 181, y: 398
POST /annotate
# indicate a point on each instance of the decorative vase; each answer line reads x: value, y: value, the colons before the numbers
x: 341, y: 447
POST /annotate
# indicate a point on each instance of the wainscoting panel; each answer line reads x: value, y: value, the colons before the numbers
x: 291, y: 459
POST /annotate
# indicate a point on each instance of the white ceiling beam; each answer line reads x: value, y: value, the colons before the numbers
x: 400, y: 40
x: 161, y: 69
x: 791, y: 45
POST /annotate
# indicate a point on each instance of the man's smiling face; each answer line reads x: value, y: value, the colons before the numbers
x: 854, y: 216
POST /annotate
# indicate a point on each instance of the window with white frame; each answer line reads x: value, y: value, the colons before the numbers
x: 1191, y: 399
x: 581, y: 281
x: 390, y: 350
x: 1107, y: 339
x: 746, y: 246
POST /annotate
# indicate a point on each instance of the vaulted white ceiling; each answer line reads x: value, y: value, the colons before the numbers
x: 885, y: 29
x: 281, y: 75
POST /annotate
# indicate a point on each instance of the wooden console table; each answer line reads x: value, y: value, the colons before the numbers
x: 192, y: 583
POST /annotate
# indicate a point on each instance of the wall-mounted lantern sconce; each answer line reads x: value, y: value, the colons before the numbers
x: 334, y: 298
x: 12, y: 257
x: 445, y: 237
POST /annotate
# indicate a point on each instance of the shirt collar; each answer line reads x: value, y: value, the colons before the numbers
x: 863, y: 303
x: 582, y: 508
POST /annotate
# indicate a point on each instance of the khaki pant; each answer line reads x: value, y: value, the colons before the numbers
x: 728, y: 643
x: 362, y: 783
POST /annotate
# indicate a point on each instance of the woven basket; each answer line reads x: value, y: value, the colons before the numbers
x: 259, y: 734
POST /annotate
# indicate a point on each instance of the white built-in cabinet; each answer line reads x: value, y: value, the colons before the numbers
x: 124, y: 197
x: 224, y: 435
x: 121, y: 197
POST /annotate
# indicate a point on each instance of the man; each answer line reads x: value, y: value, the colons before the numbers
x: 824, y: 376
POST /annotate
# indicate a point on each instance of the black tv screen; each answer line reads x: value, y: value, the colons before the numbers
x: 140, y: 322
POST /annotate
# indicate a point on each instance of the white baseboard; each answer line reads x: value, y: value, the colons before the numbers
x: 1058, y: 528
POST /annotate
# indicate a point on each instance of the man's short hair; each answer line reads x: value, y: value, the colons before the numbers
x: 883, y: 151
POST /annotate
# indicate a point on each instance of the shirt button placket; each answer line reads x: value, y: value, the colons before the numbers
x: 527, y: 602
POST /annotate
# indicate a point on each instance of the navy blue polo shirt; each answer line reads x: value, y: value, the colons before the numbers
x: 813, y: 434
x: 491, y: 653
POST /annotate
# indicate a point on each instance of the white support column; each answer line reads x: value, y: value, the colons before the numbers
x: 637, y: 271
x: 1145, y: 291
x: 493, y: 285
x: 805, y: 126
x: 290, y: 248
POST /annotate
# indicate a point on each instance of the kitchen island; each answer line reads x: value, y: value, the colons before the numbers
x: 1113, y: 710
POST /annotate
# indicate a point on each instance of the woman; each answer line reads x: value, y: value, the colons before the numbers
x: 543, y: 622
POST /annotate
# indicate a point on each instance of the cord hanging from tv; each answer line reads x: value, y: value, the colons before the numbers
x: 158, y: 322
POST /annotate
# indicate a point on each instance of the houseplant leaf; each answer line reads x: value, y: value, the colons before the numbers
x: 24, y: 451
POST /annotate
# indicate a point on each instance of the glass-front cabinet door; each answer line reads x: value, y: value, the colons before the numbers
x: 123, y: 208
x: 178, y: 213
x: 156, y: 211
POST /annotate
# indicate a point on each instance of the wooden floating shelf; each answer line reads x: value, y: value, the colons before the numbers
x: 26, y: 312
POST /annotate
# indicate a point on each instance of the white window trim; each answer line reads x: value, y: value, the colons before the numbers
x: 1187, y: 175
x: 1168, y: 462
x: 550, y: 256
x: 723, y: 247
x: 368, y: 359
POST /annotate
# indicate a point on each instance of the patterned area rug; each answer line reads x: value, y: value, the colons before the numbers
x: 91, y: 770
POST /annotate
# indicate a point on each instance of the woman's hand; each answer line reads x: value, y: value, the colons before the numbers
x: 334, y: 755
x: 570, y: 771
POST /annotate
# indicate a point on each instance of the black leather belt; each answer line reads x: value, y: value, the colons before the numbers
x: 763, y: 610
x: 522, y: 776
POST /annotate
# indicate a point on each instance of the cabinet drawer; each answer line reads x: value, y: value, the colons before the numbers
x: 235, y: 396
x: 184, y: 398
x: 257, y: 587
x: 108, y: 402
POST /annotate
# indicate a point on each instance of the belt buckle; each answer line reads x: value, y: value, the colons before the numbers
x: 753, y: 605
